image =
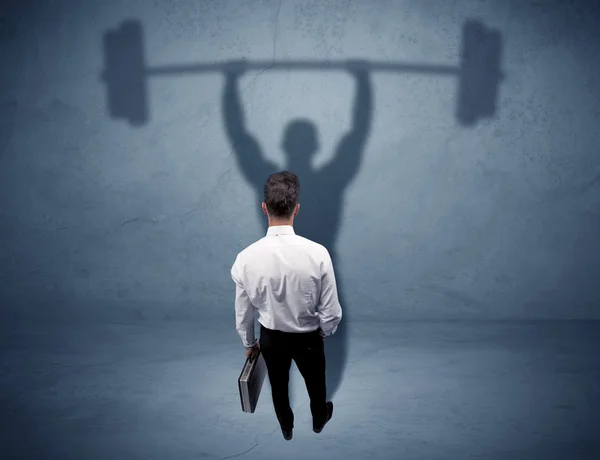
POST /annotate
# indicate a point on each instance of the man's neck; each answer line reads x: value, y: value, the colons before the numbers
x: 279, y: 224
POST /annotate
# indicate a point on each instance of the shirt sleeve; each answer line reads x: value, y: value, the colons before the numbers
x: 244, y: 310
x: 330, y: 310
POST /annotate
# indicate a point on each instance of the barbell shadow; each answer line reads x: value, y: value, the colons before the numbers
x: 478, y: 73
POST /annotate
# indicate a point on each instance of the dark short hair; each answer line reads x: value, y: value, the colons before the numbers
x: 282, y: 191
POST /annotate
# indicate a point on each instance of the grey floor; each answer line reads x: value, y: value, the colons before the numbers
x: 417, y: 390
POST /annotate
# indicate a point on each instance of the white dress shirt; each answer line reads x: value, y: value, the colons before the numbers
x: 290, y: 281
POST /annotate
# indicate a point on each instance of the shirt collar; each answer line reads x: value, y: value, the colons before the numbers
x: 280, y: 230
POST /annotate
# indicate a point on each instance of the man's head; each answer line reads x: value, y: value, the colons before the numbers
x: 281, y: 194
x: 300, y: 141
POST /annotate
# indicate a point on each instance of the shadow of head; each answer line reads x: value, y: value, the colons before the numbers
x: 300, y: 141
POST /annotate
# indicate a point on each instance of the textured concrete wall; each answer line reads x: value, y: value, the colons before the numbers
x: 437, y: 220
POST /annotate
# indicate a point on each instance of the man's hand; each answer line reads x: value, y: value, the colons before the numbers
x: 235, y: 68
x: 358, y: 66
x: 252, y: 351
x: 320, y: 335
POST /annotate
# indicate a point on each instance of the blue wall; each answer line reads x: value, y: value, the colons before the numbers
x: 438, y: 220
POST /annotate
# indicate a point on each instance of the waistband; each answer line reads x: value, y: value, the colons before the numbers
x: 277, y: 332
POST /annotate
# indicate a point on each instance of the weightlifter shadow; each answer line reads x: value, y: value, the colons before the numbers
x: 321, y: 191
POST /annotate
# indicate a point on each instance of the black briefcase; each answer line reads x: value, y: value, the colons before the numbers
x: 251, y: 380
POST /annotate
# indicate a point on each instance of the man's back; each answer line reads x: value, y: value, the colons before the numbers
x: 290, y: 280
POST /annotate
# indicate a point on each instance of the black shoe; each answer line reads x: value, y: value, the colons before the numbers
x: 318, y: 429
x: 287, y: 434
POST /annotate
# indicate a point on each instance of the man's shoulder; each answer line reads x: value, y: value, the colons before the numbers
x: 312, y: 245
x: 250, y: 249
x: 315, y: 251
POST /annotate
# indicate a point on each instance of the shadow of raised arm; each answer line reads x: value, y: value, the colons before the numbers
x: 346, y: 161
x: 246, y: 148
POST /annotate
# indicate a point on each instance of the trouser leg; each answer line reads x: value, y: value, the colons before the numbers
x: 278, y: 359
x: 309, y: 355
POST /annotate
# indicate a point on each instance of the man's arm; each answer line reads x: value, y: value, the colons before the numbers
x: 330, y: 310
x: 247, y: 150
x: 349, y: 152
x: 244, y: 310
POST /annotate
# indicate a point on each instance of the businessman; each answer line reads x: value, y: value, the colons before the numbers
x: 290, y: 281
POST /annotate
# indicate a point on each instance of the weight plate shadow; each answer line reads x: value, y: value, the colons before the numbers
x: 125, y: 73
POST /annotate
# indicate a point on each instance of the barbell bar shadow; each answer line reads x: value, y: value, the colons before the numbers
x: 479, y: 74
x: 371, y: 66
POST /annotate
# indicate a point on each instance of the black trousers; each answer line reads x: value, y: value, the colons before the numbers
x: 308, y: 352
